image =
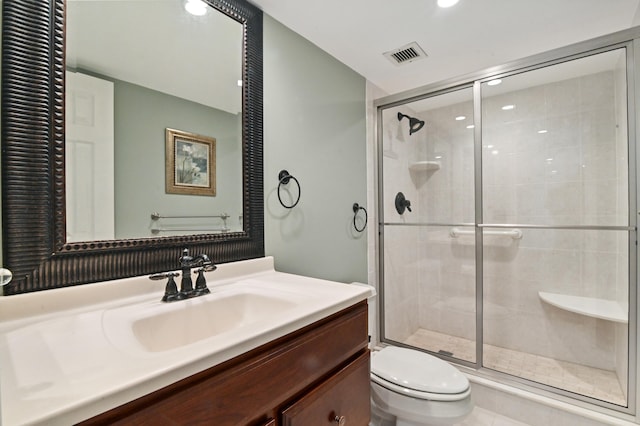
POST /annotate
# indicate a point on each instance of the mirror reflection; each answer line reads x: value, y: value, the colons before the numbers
x: 136, y: 68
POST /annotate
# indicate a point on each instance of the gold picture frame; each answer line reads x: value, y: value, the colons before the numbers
x: 190, y: 163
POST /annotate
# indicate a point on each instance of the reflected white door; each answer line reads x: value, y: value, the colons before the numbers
x: 89, y: 161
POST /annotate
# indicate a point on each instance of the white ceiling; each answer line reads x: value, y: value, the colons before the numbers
x: 468, y: 37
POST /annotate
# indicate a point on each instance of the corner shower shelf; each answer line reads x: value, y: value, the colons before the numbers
x: 423, y: 166
x: 597, y: 308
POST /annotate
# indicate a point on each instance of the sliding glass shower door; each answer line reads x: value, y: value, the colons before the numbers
x: 555, y: 162
x: 505, y: 234
x: 429, y: 258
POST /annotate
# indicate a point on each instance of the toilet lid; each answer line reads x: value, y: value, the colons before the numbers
x: 417, y: 370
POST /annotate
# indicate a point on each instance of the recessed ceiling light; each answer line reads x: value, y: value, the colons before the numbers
x: 470, y: 126
x: 494, y: 82
x: 542, y: 131
x: 447, y: 3
x: 239, y: 83
x: 460, y: 118
x: 196, y: 7
x: 508, y: 107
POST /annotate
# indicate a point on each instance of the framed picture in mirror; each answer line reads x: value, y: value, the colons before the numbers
x: 190, y: 163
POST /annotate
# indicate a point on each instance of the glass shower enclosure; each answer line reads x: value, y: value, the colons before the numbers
x: 506, y: 239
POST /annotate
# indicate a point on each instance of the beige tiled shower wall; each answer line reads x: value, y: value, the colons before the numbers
x: 401, y: 275
x: 401, y: 259
x: 568, y: 175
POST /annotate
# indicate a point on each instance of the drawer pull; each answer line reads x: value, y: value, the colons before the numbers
x: 341, y: 420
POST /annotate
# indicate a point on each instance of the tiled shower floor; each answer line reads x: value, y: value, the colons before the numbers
x: 589, y: 381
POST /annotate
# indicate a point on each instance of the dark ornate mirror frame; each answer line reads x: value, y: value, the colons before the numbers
x: 33, y: 174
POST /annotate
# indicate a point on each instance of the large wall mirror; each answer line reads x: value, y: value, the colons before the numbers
x: 131, y: 130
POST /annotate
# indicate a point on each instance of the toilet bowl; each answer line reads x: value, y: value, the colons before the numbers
x: 412, y: 388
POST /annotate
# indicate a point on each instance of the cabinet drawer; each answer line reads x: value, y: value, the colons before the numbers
x: 344, y: 396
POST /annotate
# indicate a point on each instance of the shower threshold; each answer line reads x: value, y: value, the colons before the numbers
x: 581, y: 379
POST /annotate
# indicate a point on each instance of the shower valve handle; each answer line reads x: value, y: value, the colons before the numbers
x: 402, y: 203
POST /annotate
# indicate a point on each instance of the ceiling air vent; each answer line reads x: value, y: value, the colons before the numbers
x: 406, y: 54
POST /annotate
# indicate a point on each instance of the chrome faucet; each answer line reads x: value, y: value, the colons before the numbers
x: 171, y: 293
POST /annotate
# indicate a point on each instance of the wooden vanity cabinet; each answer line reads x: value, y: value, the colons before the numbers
x: 339, y: 400
x: 313, y: 376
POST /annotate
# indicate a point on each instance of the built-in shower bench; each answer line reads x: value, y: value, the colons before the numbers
x: 424, y: 166
x: 609, y: 310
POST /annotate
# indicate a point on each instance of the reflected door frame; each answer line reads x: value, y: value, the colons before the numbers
x: 89, y: 158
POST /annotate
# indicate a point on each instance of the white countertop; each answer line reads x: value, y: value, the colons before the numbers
x: 62, y: 362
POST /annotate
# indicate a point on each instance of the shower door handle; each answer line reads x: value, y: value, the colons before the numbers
x: 402, y: 203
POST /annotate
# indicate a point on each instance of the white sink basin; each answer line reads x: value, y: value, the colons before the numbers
x: 153, y: 326
x: 185, y: 322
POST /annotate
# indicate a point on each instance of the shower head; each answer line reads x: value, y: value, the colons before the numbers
x: 414, y: 123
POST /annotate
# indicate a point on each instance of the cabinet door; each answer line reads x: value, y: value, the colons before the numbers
x: 341, y: 400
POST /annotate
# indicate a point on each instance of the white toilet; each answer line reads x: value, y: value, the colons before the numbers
x: 411, y: 388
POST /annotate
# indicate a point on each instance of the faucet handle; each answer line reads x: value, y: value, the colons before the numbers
x: 171, y: 292
x: 163, y: 275
x: 201, y: 282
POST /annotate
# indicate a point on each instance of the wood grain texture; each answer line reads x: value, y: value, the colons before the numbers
x: 33, y: 175
x: 253, y: 388
x: 344, y: 395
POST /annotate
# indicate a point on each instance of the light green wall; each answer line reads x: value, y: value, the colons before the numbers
x: 141, y: 117
x: 314, y: 127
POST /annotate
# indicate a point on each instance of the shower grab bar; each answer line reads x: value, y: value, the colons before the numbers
x: 516, y: 234
x: 567, y: 227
